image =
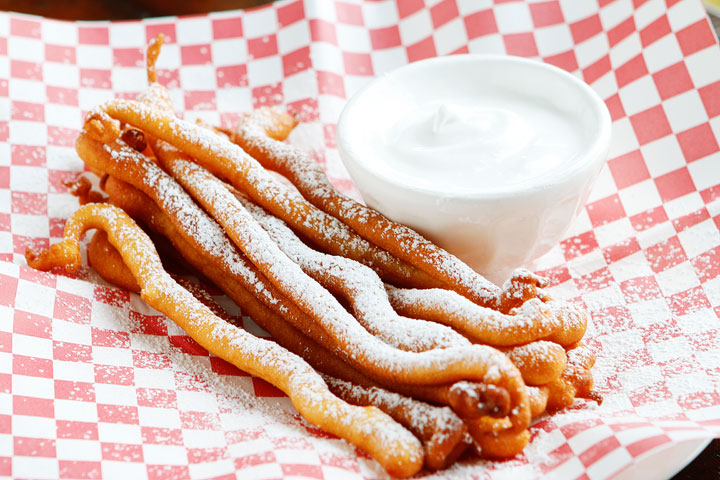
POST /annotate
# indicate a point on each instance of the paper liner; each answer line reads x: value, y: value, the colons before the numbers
x: 95, y: 384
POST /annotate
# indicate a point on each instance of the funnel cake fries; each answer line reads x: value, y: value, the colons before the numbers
x: 395, y: 448
x: 558, y: 322
x: 131, y: 165
x: 573, y: 323
x: 468, y: 399
x: 442, y: 433
x: 576, y: 380
x: 260, y: 134
x: 436, y: 452
x: 539, y: 362
x: 329, y: 323
x: 106, y: 260
x: 198, y: 229
x: 274, y: 328
x: 526, y: 323
x: 358, y: 285
x: 538, y: 365
x: 365, y: 292
x: 250, y: 237
x: 224, y: 158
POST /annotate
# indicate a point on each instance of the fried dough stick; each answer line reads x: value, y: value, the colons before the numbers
x: 440, y: 431
x: 260, y: 133
x: 469, y: 399
x: 198, y: 183
x: 106, y: 260
x: 255, y: 242
x: 225, y: 159
x: 343, y: 335
x: 228, y: 213
x: 364, y: 290
x: 558, y: 322
x: 576, y: 380
x: 276, y: 280
x: 539, y: 362
x: 392, y: 446
x: 497, y: 445
x: 125, y: 169
x: 195, y: 226
x: 531, y: 321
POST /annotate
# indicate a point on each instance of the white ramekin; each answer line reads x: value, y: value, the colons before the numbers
x: 498, y: 230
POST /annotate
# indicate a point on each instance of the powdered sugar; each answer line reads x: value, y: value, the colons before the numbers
x: 260, y: 357
x: 425, y: 420
x: 436, y: 366
x: 226, y: 159
x: 529, y: 322
x: 196, y: 226
x: 402, y: 241
x: 360, y: 285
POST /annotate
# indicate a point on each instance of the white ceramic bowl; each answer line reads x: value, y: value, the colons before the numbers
x: 495, y: 229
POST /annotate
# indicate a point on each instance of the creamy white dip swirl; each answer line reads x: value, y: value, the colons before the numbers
x: 479, y: 143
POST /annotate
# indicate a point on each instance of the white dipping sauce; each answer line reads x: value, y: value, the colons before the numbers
x: 491, y: 157
x: 474, y: 144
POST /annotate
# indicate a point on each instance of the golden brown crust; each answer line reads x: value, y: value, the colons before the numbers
x: 370, y: 429
x: 469, y: 399
x: 470, y: 363
x: 539, y: 362
x: 441, y: 432
x: 108, y: 263
x: 224, y: 159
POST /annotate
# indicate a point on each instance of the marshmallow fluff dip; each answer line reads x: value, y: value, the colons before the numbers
x: 493, y: 139
x: 491, y: 157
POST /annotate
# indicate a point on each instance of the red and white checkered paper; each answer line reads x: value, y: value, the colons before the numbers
x: 93, y: 383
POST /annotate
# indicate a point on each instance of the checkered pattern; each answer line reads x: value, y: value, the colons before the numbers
x: 93, y: 383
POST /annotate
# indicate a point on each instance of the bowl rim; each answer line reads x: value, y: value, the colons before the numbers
x: 594, y: 152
